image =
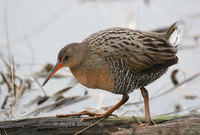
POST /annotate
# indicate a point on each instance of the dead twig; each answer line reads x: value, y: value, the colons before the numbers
x: 6, y: 30
x: 5, y: 81
x: 65, y: 101
x: 178, y: 85
x: 81, y: 131
x: 45, y: 94
x: 42, y: 100
x: 180, y: 110
x: 4, y: 103
x: 5, y: 132
x: 173, y: 77
x: 4, y: 61
x: 12, y: 71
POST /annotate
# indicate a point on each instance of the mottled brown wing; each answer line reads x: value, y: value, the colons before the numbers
x: 138, y: 50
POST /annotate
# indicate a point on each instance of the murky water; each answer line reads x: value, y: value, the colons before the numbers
x: 39, y: 29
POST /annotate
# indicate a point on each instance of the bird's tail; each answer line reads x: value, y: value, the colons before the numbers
x: 175, y: 33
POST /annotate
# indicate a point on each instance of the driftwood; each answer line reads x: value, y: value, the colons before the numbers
x: 115, y: 126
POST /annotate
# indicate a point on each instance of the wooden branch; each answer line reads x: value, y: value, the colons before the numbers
x: 116, y: 126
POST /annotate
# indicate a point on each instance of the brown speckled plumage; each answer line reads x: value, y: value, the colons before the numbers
x: 124, y: 54
x: 120, y: 60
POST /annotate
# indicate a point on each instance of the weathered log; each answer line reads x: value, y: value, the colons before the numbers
x: 116, y: 126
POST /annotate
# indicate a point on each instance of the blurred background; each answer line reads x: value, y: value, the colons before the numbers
x: 33, y: 32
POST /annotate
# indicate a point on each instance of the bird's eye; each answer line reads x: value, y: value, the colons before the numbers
x: 67, y: 57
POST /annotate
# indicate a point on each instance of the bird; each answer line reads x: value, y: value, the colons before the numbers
x: 120, y: 60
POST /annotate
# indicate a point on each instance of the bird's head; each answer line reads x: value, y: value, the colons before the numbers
x: 69, y: 56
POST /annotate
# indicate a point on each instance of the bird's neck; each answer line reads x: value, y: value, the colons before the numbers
x: 81, y: 55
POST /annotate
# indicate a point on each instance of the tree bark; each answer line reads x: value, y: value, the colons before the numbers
x: 115, y: 126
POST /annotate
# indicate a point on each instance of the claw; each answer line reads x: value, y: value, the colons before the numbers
x: 147, y: 123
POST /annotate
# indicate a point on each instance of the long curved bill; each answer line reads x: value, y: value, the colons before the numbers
x: 53, y: 71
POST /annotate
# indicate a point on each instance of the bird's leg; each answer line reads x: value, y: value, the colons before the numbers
x: 148, y: 120
x: 108, y: 113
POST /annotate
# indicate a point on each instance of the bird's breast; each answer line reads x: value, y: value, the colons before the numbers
x: 94, y: 74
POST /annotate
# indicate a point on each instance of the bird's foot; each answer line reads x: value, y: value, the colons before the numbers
x: 93, y: 115
x: 147, y: 123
